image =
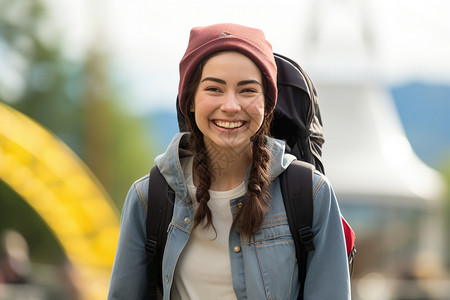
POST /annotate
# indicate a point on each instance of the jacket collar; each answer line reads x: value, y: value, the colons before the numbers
x: 170, y: 166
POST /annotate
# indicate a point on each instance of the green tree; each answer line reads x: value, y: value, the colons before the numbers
x: 37, y: 80
x: 73, y: 99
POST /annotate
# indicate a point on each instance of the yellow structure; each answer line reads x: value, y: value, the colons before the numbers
x: 57, y: 184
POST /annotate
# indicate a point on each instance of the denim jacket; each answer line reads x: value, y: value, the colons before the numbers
x: 263, y: 268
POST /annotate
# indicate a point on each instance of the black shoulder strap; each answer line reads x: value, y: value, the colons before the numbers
x: 296, y: 188
x: 159, y: 213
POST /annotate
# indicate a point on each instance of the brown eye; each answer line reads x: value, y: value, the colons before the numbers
x: 213, y: 89
x: 248, y: 91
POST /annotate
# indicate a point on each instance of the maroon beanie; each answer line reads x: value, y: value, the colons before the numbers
x: 207, y: 40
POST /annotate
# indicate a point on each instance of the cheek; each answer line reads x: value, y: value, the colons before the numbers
x: 257, y: 112
x: 202, y: 111
x: 200, y: 108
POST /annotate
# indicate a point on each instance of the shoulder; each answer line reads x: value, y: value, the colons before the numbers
x: 320, y: 183
x: 134, y: 214
x: 325, y: 201
x: 138, y: 193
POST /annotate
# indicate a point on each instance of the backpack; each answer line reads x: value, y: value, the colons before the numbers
x: 296, y: 120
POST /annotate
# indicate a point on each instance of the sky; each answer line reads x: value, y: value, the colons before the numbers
x: 403, y: 40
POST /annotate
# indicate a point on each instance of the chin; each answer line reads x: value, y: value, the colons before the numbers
x: 236, y: 145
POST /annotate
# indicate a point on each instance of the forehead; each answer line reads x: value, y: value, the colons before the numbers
x: 231, y: 63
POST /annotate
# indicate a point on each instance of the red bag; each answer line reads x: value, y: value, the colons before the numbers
x: 349, y: 242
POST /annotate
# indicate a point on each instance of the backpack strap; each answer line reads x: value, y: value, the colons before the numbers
x: 159, y: 214
x: 296, y: 187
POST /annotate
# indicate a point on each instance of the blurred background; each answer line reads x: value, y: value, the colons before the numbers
x: 87, y: 99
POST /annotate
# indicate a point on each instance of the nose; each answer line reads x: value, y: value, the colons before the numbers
x: 230, y: 103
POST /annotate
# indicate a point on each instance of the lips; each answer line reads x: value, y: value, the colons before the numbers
x: 228, y: 124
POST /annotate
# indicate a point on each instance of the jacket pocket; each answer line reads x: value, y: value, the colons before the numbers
x: 275, y: 252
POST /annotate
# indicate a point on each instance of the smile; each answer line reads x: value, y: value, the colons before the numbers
x: 228, y: 125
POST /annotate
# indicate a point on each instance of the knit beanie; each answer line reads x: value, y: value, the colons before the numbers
x: 207, y: 40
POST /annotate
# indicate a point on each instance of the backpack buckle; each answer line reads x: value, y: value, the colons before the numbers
x: 150, y: 247
x: 306, y: 238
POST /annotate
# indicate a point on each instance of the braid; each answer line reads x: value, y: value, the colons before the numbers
x: 203, y: 174
x: 251, y: 215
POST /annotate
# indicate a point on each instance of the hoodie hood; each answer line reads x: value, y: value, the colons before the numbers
x: 170, y: 166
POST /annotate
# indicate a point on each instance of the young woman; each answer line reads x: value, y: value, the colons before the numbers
x: 229, y: 237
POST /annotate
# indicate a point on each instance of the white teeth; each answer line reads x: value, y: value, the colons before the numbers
x: 229, y: 125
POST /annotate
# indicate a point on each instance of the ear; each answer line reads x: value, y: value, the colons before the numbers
x: 192, y: 108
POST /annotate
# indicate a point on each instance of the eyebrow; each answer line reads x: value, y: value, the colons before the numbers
x: 221, y: 81
x: 214, y: 79
x: 244, y: 82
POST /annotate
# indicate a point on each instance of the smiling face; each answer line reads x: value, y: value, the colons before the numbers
x: 229, y: 101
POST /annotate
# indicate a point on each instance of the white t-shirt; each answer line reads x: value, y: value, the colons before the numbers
x: 203, y: 270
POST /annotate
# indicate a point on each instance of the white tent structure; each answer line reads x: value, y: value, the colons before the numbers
x: 391, y: 198
x: 365, y: 142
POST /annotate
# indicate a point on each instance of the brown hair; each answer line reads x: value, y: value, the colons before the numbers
x: 251, y: 215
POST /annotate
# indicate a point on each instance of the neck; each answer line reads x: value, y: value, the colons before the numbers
x: 228, y: 166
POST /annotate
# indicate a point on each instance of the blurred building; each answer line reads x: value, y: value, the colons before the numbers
x: 391, y: 198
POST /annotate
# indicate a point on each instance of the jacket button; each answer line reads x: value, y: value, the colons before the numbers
x: 237, y: 249
x: 167, y: 279
x: 187, y: 220
x: 239, y: 205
